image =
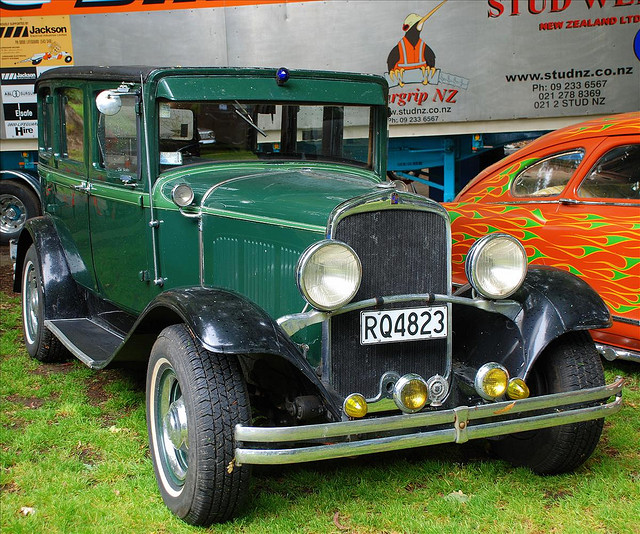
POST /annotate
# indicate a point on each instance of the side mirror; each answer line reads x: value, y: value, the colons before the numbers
x: 108, y: 102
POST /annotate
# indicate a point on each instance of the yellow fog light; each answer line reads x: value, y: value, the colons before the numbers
x: 410, y: 393
x: 491, y: 381
x: 355, y: 405
x: 517, y: 389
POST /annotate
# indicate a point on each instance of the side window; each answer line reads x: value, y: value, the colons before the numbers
x: 118, y: 143
x: 45, y: 127
x: 46, y: 114
x: 72, y: 113
x: 547, y: 177
x: 615, y: 175
x: 178, y: 133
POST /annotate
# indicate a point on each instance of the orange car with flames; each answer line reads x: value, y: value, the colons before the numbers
x: 572, y: 197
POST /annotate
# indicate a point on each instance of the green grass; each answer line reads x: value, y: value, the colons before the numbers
x: 73, y: 450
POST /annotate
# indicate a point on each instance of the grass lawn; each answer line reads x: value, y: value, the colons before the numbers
x: 75, y: 459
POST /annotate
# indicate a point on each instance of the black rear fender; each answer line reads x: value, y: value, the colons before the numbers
x: 63, y: 299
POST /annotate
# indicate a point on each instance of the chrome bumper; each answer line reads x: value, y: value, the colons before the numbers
x: 312, y: 442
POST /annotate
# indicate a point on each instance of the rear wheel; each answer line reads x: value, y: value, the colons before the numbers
x: 41, y: 344
x: 194, y: 400
x: 570, y: 363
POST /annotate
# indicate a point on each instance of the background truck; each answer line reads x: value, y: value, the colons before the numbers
x: 467, y: 78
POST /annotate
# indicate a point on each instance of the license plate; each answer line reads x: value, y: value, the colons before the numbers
x: 408, y: 324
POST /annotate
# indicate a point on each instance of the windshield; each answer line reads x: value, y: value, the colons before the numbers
x: 196, y: 132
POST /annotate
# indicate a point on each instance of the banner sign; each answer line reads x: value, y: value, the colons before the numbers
x: 29, y: 45
x: 506, y: 59
x: 19, y: 103
x: 89, y: 7
x: 35, y: 41
x: 446, y: 61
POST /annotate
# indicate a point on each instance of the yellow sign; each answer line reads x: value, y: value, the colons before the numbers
x: 31, y: 41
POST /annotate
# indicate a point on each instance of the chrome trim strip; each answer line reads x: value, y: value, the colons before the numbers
x: 153, y: 222
x: 524, y: 202
x: 284, y: 223
x: 610, y: 353
x: 381, y: 200
x: 382, y: 404
x: 459, y: 433
x: 626, y: 320
x: 567, y: 201
x: 297, y: 321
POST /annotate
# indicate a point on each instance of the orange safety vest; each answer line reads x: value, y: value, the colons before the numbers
x: 414, y: 59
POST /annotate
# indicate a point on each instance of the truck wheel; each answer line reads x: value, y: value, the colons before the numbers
x: 40, y: 342
x: 194, y: 400
x: 17, y: 204
x: 570, y: 363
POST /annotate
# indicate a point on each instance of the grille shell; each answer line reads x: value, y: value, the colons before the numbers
x: 403, y: 251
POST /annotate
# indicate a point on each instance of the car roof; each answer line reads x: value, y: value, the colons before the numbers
x: 146, y: 73
x: 623, y: 124
x: 127, y: 74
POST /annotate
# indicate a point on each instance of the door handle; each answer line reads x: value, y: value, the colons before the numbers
x: 84, y: 187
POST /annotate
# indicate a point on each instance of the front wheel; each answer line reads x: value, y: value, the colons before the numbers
x: 570, y: 363
x: 194, y: 400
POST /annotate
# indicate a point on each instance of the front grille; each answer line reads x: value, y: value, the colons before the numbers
x: 402, y: 251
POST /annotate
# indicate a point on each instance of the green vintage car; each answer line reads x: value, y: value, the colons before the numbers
x: 233, y: 230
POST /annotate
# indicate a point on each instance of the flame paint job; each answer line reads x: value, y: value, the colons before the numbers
x: 595, y: 239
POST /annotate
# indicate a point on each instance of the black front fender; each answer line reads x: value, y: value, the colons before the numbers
x: 553, y: 302
x: 223, y: 322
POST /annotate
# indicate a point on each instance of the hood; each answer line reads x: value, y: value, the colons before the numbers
x: 291, y: 194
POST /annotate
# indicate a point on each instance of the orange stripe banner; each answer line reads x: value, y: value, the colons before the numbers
x: 25, y: 8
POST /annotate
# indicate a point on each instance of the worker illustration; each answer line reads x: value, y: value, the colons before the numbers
x: 412, y: 53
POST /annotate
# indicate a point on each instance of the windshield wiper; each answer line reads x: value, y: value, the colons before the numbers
x: 244, y: 115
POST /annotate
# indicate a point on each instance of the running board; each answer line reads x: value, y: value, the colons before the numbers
x: 88, y: 341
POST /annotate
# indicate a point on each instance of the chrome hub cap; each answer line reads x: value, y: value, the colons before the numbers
x: 31, y: 303
x: 13, y: 213
x: 175, y: 424
x: 171, y: 427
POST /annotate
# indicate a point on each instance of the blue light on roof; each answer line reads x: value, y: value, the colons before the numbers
x: 282, y: 75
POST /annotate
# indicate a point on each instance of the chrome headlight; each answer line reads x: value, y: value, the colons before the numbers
x: 329, y: 274
x: 496, y: 266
